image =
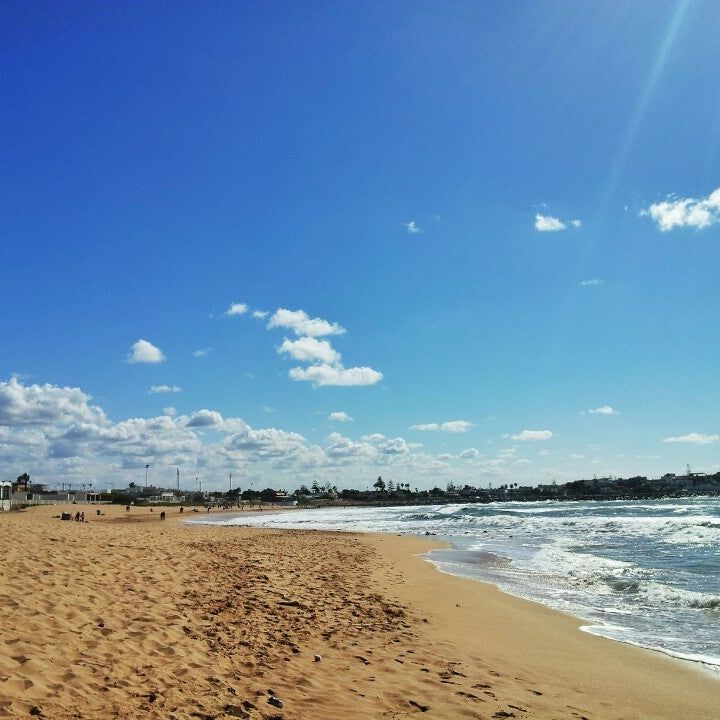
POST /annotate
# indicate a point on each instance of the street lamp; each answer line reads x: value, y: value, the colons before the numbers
x: 146, y: 474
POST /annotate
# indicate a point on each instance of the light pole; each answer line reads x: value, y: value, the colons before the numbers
x: 146, y: 473
x: 230, y: 476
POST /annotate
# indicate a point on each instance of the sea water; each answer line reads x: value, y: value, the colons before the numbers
x: 643, y: 572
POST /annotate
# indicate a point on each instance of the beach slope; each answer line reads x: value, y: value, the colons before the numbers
x: 129, y: 616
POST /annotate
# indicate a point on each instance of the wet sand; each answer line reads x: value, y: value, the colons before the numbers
x: 128, y: 616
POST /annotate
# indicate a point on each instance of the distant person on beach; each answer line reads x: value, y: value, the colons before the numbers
x: 127, y: 508
x: 162, y: 515
x: 82, y: 516
x: 77, y: 516
x: 181, y: 509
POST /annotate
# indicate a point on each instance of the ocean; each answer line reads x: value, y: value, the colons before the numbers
x: 643, y: 572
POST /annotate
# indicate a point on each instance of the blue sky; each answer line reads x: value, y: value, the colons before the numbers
x: 500, y: 215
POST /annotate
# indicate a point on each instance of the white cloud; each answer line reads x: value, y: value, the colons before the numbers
x: 204, y: 352
x: 604, y: 410
x: 45, y: 404
x: 158, y: 389
x: 412, y: 227
x: 396, y: 446
x: 593, y: 282
x: 576, y: 223
x: 451, y: 426
x: 469, y: 454
x: 237, y: 309
x: 205, y: 418
x: 170, y: 411
x: 426, y: 427
x: 533, y: 435
x: 344, y: 450
x: 260, y: 314
x: 336, y: 375
x: 59, y: 434
x: 302, y: 324
x: 310, y: 349
x: 693, y: 438
x: 264, y: 442
x: 456, y: 426
x: 575, y: 456
x: 339, y: 416
x: 685, y: 212
x: 145, y: 352
x: 547, y: 223
x: 373, y: 438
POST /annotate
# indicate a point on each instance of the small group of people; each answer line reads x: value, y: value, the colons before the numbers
x: 79, y: 516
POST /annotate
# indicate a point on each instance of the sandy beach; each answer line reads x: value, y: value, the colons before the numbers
x: 129, y: 616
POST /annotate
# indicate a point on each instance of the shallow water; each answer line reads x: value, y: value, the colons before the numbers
x: 644, y: 572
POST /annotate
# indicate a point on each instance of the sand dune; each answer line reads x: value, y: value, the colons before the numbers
x: 128, y: 616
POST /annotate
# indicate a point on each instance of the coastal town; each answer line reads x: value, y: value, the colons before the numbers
x: 24, y: 492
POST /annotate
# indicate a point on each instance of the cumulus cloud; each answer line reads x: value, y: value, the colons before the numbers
x: 260, y: 314
x: 396, y: 446
x: 604, y: 410
x: 451, y: 426
x: 326, y: 368
x: 264, y: 442
x: 205, y: 418
x: 469, y: 454
x: 237, y: 309
x: 310, y: 349
x: 59, y: 433
x: 593, y: 282
x: 547, y: 223
x: 675, y: 212
x: 533, y: 435
x: 302, y: 324
x: 344, y: 449
x: 693, y: 438
x: 204, y: 352
x: 145, y: 352
x: 339, y: 416
x: 576, y: 223
x: 45, y: 404
x: 412, y: 227
x: 159, y: 389
x: 327, y: 375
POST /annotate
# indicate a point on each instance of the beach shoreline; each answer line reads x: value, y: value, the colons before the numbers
x: 128, y: 615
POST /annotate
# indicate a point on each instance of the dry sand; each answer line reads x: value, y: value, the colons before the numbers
x: 127, y: 616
